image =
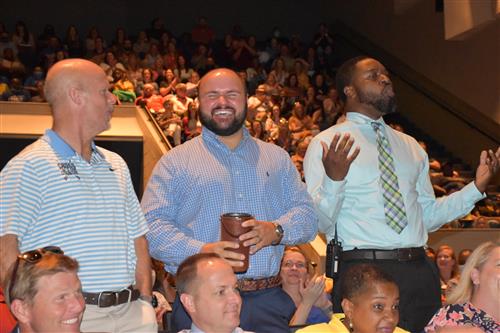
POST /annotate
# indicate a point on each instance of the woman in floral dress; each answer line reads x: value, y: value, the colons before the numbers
x: 475, y: 301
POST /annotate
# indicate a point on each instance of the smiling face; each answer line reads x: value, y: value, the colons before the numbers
x: 445, y: 259
x: 169, y: 75
x: 58, y: 306
x: 222, y: 102
x: 376, y: 310
x: 372, y: 88
x: 215, y: 304
x: 293, y: 268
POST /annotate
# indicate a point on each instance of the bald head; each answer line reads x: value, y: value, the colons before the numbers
x: 78, y: 93
x: 67, y: 74
x: 222, y: 73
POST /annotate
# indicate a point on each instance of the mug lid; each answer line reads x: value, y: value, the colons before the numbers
x: 236, y: 215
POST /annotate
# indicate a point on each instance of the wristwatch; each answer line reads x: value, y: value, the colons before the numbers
x: 278, y: 229
x: 146, y: 298
x: 149, y: 299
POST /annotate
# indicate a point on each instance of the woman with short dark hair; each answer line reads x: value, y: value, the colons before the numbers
x: 370, y: 301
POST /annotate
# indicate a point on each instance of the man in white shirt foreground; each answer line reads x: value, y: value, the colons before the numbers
x: 208, y: 290
x: 371, y: 186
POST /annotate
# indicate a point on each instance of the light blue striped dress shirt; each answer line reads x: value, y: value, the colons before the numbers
x: 356, y: 204
x: 196, y: 182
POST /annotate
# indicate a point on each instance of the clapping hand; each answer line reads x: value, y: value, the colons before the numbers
x: 312, y: 289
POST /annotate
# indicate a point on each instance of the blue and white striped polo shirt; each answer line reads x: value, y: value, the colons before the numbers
x: 50, y: 195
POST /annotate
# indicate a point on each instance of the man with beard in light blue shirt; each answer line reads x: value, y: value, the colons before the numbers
x: 225, y: 170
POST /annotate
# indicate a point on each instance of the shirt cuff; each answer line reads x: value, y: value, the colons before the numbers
x: 330, y: 187
x: 472, y: 193
x: 193, y: 247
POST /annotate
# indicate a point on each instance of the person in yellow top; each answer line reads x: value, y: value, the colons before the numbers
x: 370, y: 300
x: 122, y: 87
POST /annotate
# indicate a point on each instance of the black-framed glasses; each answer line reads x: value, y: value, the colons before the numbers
x: 31, y: 257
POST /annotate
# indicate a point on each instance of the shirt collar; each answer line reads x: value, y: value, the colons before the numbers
x: 195, y: 329
x: 359, y: 118
x: 211, y: 137
x: 61, y: 147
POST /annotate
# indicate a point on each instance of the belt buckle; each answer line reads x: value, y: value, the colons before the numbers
x: 107, y: 293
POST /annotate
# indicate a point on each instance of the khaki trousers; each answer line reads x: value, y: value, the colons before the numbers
x: 137, y: 316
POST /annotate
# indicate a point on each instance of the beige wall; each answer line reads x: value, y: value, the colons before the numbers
x: 413, y: 32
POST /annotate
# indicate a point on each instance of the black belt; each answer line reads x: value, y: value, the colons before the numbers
x: 106, y: 299
x: 404, y: 254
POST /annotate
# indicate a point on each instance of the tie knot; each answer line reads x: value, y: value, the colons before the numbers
x: 376, y: 126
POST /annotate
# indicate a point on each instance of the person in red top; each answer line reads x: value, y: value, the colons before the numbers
x: 8, y: 321
x: 150, y: 99
x: 202, y: 33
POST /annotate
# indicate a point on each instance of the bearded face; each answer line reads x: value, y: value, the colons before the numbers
x: 215, y: 119
x: 223, y: 102
x: 385, y: 101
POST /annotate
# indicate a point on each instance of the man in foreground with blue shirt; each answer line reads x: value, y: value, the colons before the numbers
x: 378, y: 197
x: 225, y: 170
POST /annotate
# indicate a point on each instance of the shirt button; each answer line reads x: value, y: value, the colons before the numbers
x: 237, y: 172
x: 240, y: 195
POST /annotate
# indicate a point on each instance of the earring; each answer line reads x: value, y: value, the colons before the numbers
x: 351, y: 328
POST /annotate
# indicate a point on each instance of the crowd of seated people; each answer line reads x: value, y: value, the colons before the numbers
x: 285, y: 67
x: 290, y: 84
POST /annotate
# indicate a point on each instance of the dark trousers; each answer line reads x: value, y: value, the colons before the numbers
x: 419, y: 289
x: 262, y: 311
